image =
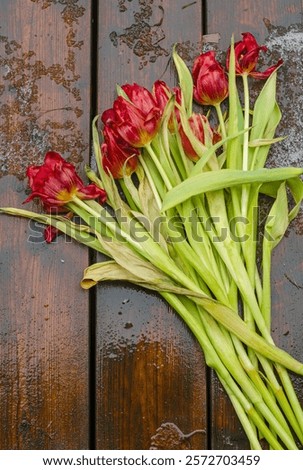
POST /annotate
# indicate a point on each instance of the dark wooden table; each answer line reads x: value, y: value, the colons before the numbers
x: 105, y: 369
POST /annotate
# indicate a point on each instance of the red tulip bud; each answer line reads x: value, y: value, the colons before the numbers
x: 162, y: 94
x: 118, y: 157
x: 201, y: 129
x: 210, y: 81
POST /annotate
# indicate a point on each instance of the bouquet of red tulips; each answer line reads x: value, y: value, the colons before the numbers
x: 173, y: 207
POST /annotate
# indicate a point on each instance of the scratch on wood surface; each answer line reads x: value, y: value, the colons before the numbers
x: 293, y: 282
x: 188, y: 5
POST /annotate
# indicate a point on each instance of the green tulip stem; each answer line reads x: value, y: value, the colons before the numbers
x: 204, y: 261
x: 153, y: 252
x: 252, y: 384
x: 245, y: 164
x: 108, y: 221
x: 158, y: 165
x: 292, y: 412
x: 151, y: 182
x: 127, y: 195
x: 250, y: 359
x: 221, y: 120
x: 226, y: 366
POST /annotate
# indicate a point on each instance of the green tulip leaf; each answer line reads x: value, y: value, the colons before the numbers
x: 185, y: 81
x: 296, y: 187
x: 263, y: 142
x: 220, y: 179
x: 264, y: 107
x: 277, y: 219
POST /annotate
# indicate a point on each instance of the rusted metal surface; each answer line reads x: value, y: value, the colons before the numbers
x: 115, y: 368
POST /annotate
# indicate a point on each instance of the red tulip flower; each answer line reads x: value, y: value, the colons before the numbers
x: 247, y: 54
x: 118, y: 157
x: 56, y: 183
x: 162, y: 94
x: 201, y: 129
x: 136, y: 119
x: 210, y: 81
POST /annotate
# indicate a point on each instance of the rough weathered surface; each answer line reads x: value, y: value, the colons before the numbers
x: 284, y: 41
x: 115, y: 368
x: 239, y: 16
x: 149, y: 369
x: 44, y: 341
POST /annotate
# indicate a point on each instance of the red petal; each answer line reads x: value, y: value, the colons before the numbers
x: 140, y: 97
x: 267, y: 72
x: 92, y: 192
x: 50, y: 233
x: 53, y: 161
x: 202, y: 64
x: 108, y: 116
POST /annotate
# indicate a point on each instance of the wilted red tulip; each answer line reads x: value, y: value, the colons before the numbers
x: 210, y: 81
x: 247, y: 55
x: 162, y: 94
x: 136, y: 120
x: 118, y: 157
x: 56, y: 183
x: 201, y: 129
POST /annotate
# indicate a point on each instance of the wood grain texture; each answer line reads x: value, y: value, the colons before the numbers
x: 238, y: 16
x: 136, y: 40
x: 118, y: 370
x: 150, y: 370
x: 45, y: 104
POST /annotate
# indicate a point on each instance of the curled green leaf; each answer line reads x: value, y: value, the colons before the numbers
x: 185, y: 81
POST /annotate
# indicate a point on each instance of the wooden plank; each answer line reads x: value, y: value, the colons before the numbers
x: 136, y: 40
x: 45, y: 104
x: 236, y: 17
x: 150, y: 371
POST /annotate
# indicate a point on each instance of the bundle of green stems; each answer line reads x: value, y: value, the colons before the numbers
x: 190, y: 231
